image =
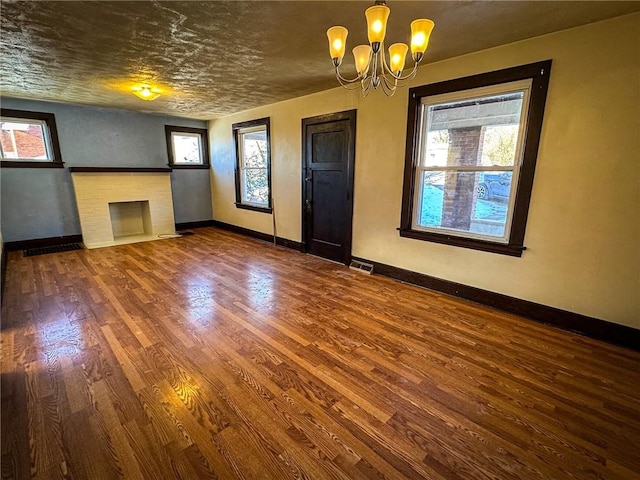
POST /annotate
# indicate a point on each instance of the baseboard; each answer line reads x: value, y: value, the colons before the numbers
x: 574, y: 322
x: 3, y: 271
x: 292, y: 244
x: 42, y: 242
x: 197, y: 224
x: 284, y: 242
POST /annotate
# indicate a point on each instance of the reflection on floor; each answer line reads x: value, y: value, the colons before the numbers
x: 217, y: 356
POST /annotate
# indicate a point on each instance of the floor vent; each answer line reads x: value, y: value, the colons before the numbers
x: 361, y: 267
x: 67, y: 247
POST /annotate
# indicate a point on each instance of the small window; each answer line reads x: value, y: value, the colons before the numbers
x: 471, y: 156
x: 29, y: 139
x: 187, y: 147
x: 253, y: 165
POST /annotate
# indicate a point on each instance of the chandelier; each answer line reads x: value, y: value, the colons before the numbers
x: 371, y: 62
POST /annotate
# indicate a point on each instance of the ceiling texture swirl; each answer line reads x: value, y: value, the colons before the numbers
x: 211, y: 59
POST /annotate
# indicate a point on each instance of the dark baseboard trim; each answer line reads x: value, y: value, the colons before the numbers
x: 284, y: 242
x: 574, y: 322
x: 42, y: 242
x: 3, y: 271
x: 196, y: 224
x: 120, y: 169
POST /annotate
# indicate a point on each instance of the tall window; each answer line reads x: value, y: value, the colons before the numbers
x: 28, y: 139
x: 253, y: 165
x: 187, y: 147
x: 471, y: 155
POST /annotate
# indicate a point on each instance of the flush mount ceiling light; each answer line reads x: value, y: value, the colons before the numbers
x: 145, y: 92
x: 371, y: 62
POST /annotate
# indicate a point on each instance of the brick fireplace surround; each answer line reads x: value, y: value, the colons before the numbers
x: 123, y: 205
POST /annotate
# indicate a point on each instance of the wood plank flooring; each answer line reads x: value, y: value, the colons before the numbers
x: 219, y: 356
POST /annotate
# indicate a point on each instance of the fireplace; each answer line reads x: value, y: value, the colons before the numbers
x: 123, y: 205
x: 130, y: 219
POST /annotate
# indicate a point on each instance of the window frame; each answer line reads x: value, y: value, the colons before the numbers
x: 203, y: 133
x: 538, y: 73
x: 52, y: 144
x: 523, y: 86
x: 239, y: 129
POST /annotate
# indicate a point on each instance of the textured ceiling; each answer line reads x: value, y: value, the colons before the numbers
x: 214, y: 58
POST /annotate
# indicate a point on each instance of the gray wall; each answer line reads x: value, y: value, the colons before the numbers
x: 40, y: 203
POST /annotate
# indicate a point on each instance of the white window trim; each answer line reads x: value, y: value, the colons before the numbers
x: 46, y: 137
x: 241, y: 132
x: 200, y: 152
x: 420, y: 153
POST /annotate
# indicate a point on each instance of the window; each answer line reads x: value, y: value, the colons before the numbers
x: 253, y: 165
x: 187, y: 147
x: 29, y: 139
x: 471, y: 151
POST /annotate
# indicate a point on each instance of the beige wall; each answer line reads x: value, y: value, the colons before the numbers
x: 583, y: 232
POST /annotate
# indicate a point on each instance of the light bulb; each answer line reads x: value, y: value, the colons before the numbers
x: 418, y: 39
x: 377, y: 22
x: 397, y: 55
x: 361, y: 55
x: 420, y: 33
x: 144, y: 92
x: 337, y: 41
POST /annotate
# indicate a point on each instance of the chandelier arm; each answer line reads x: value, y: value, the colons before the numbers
x: 389, y: 92
x: 366, y: 86
x: 348, y: 86
x: 390, y: 80
x: 383, y: 61
x: 400, y: 82
x: 374, y: 69
x: 385, y: 67
x: 403, y: 83
x: 366, y: 75
x: 408, y: 76
x: 344, y: 81
x: 388, y: 87
x: 400, y: 78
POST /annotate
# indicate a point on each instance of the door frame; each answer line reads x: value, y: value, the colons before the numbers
x: 349, y: 115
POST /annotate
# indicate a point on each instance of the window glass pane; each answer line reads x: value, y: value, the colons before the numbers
x: 186, y: 148
x: 499, y: 145
x: 472, y: 132
x: 254, y: 147
x: 24, y: 140
x: 464, y: 201
x: 255, y: 186
x: 253, y: 165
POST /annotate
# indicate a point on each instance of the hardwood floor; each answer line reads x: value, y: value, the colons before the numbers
x: 218, y: 356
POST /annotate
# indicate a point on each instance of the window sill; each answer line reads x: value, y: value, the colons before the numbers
x: 19, y: 164
x: 472, y: 243
x: 189, y: 167
x: 254, y: 208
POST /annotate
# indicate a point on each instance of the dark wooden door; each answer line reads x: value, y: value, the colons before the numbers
x: 327, y: 184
